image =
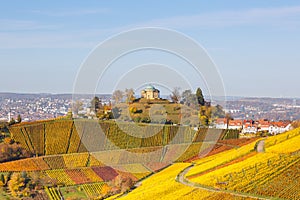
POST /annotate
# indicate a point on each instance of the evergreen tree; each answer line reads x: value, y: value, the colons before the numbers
x: 95, y: 104
x: 12, y: 121
x: 200, y: 97
x: 19, y: 119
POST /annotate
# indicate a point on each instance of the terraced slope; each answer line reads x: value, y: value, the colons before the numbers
x: 67, y: 136
x: 273, y: 173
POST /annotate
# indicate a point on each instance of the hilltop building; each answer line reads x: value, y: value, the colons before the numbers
x: 150, y: 92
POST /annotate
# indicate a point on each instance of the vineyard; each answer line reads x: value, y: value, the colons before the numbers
x: 93, y: 190
x: 53, y: 193
x: 89, y: 156
x: 274, y: 173
x: 63, y: 173
x: 216, y: 160
x: 166, y: 187
x: 68, y: 136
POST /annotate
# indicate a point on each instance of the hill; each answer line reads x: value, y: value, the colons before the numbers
x: 96, y: 158
x: 265, y: 169
x: 75, y: 136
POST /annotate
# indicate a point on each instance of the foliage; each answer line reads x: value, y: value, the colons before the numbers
x: 95, y: 104
x: 189, y: 99
x: 270, y: 174
x: 200, y: 97
x: 9, y: 150
x: 19, y: 119
x: 77, y: 106
x: 123, y: 183
x: 129, y: 94
x: 95, y: 190
x: 65, y: 136
x: 175, y: 96
x: 117, y: 96
x: 296, y: 124
x: 216, y: 160
x: 12, y: 121
x: 19, y: 185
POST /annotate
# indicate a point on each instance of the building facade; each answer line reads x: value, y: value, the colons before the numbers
x: 150, y: 92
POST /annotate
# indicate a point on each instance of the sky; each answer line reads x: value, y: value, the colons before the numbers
x: 254, y: 44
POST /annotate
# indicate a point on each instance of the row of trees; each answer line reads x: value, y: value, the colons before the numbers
x: 207, y: 113
x: 187, y: 97
x: 196, y: 101
x: 13, y: 121
x: 119, y: 95
x: 22, y: 185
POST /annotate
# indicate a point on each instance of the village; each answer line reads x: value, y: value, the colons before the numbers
x: 254, y: 126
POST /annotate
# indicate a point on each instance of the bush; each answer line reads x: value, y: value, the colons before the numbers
x: 137, y: 119
x: 146, y: 120
x: 133, y: 109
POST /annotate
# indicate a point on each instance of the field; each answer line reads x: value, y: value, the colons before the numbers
x: 273, y: 173
x: 77, y: 160
x: 68, y: 136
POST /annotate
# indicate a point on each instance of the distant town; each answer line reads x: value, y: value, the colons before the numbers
x: 33, y: 107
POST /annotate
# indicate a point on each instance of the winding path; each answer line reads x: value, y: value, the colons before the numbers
x: 181, y: 179
x: 261, y: 146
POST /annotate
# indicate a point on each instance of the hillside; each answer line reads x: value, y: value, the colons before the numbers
x: 181, y: 163
x: 95, y: 158
x: 241, y: 173
x: 160, y: 110
x: 76, y: 136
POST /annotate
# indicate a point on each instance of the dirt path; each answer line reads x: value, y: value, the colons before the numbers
x: 181, y: 179
x: 261, y: 146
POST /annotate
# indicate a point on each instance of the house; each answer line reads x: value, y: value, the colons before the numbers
x: 250, y: 126
x: 263, y: 125
x: 235, y: 124
x: 279, y: 127
x: 221, y: 123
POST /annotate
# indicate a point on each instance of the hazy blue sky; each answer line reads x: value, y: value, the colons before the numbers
x: 255, y: 44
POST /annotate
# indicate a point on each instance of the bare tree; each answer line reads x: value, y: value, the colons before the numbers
x: 117, y: 96
x: 129, y: 93
x: 77, y: 106
x: 175, y: 96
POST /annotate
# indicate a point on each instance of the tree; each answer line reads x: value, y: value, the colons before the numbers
x: 200, y: 97
x: 117, y: 96
x: 69, y: 114
x: 2, y: 179
x: 77, y: 106
x: 129, y: 93
x: 123, y: 183
x: 188, y: 98
x: 296, y: 124
x: 19, y: 119
x: 218, y: 112
x: 17, y: 185
x: 175, y: 96
x: 228, y: 118
x: 95, y: 104
x: 186, y: 95
x: 12, y: 121
x: 205, y: 115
